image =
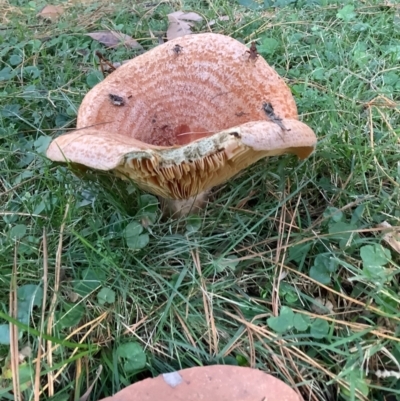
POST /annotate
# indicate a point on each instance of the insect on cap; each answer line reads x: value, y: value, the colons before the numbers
x: 116, y: 100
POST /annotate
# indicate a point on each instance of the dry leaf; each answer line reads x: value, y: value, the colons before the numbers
x: 50, y: 12
x: 322, y: 306
x: 392, y: 238
x: 179, y: 24
x: 113, y: 39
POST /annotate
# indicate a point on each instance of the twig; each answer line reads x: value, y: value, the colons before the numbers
x: 50, y: 375
x: 45, y: 283
x: 14, y: 330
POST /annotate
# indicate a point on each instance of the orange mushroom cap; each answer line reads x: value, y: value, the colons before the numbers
x: 216, y: 382
x: 179, y: 123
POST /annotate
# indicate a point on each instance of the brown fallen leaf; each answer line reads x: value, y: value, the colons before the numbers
x: 392, y: 237
x: 113, y: 39
x: 50, y: 12
x: 180, y: 24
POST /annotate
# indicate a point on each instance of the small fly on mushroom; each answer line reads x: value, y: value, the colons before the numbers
x: 269, y: 111
x: 253, y: 53
x: 116, y: 100
x: 177, y: 49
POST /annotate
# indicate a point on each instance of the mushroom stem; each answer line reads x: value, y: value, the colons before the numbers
x: 177, y: 208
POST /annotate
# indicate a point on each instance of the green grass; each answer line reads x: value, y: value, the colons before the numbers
x: 205, y: 290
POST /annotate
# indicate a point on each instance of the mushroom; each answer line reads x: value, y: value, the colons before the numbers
x: 180, y: 123
x: 216, y: 382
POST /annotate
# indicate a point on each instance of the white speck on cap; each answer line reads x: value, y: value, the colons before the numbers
x: 173, y: 378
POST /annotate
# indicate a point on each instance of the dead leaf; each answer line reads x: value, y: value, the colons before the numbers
x: 114, y: 39
x: 50, y: 12
x: 179, y: 24
x: 392, y: 237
